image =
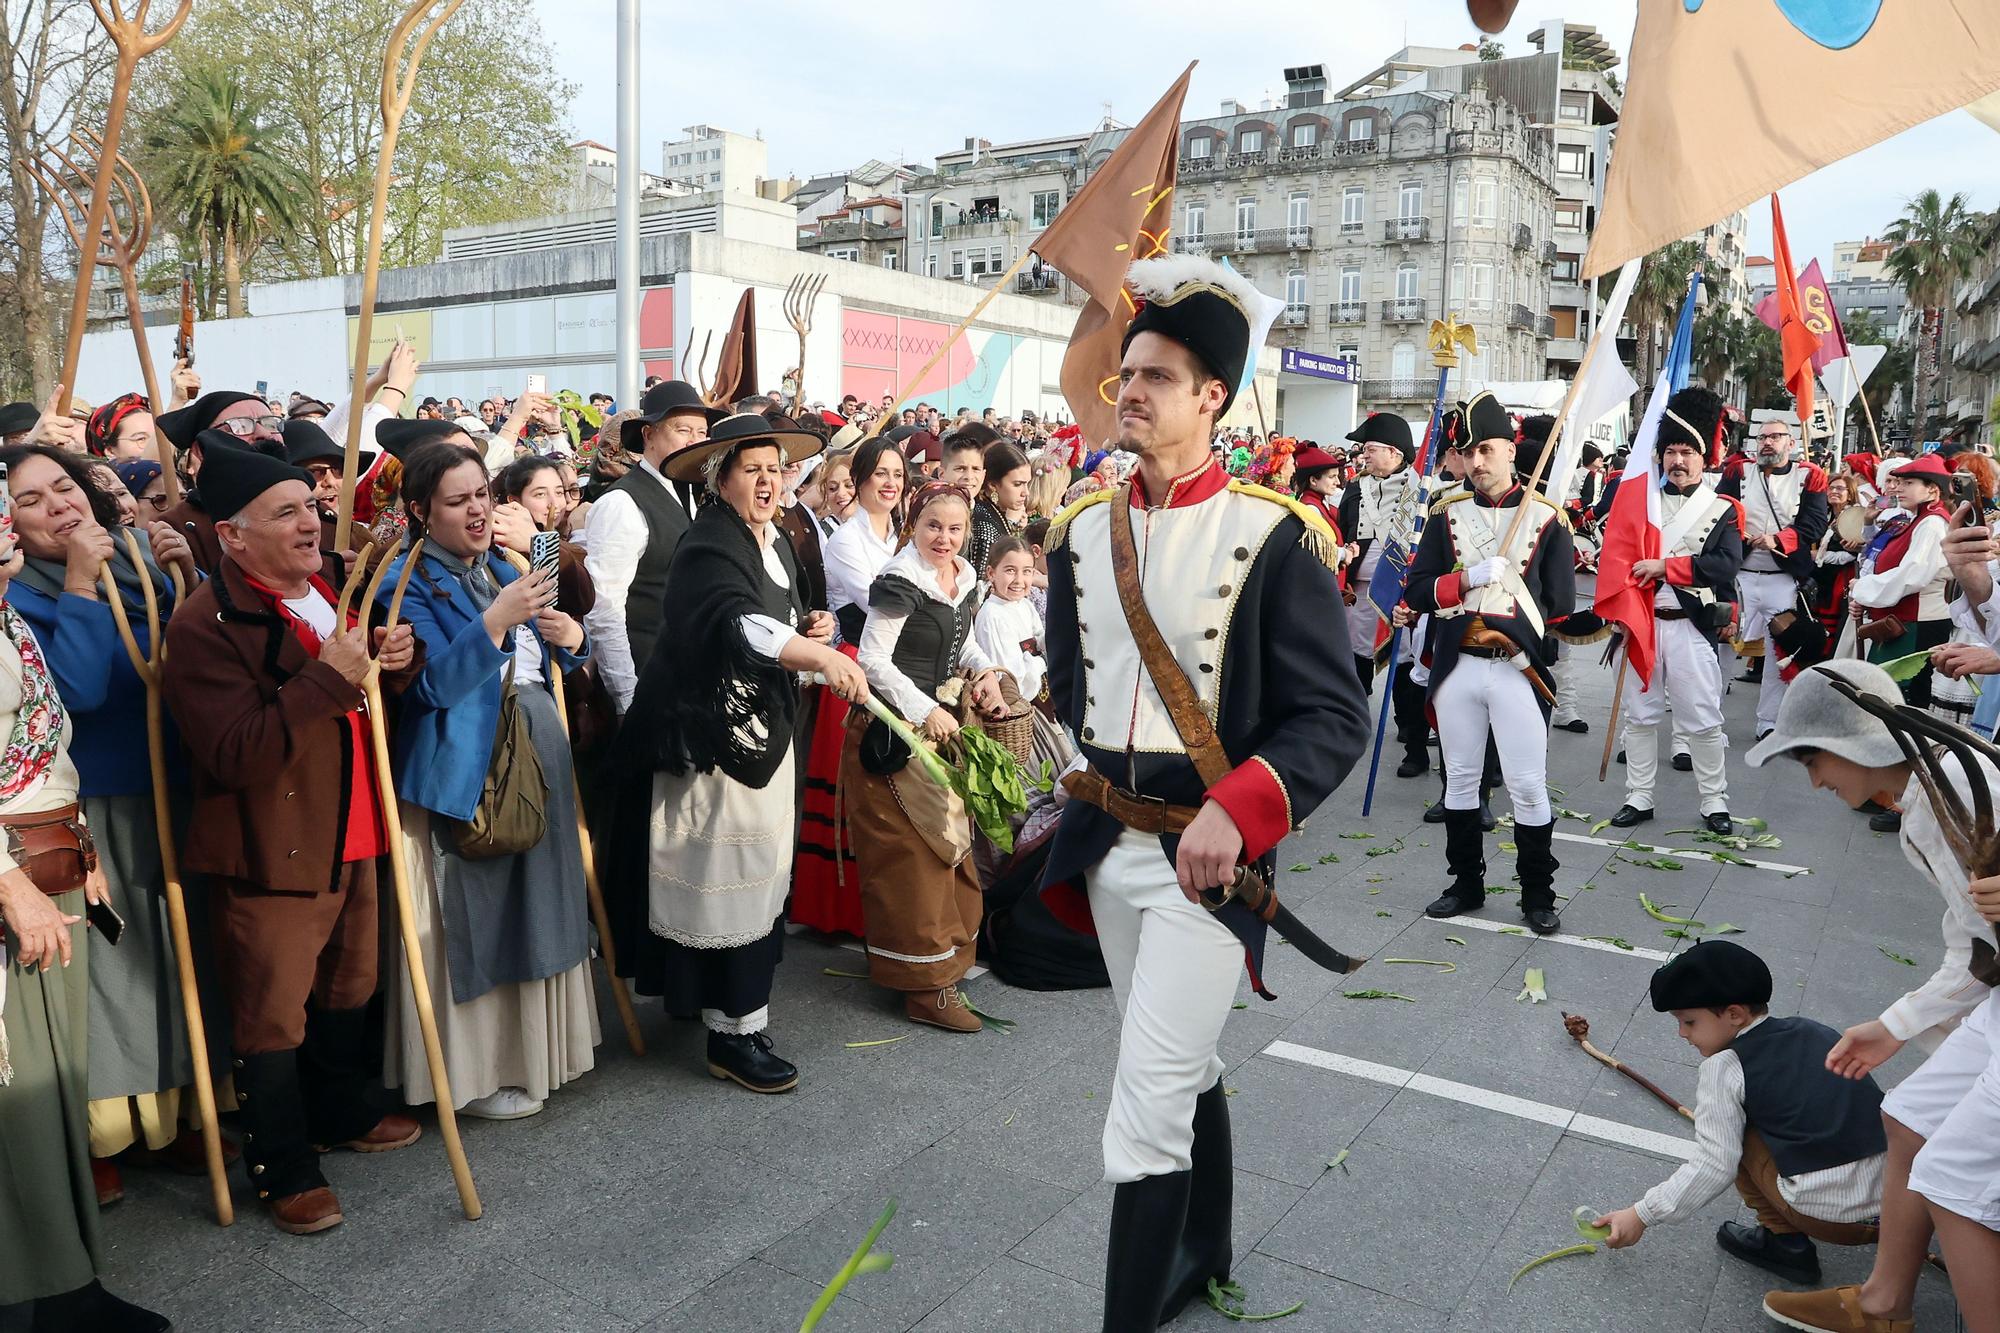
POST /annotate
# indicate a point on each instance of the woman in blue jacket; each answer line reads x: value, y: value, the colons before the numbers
x: 505, y: 938
x: 139, y: 1056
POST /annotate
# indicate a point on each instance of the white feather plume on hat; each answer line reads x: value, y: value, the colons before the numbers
x: 1164, y: 280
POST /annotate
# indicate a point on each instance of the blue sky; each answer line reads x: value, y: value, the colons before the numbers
x: 832, y: 86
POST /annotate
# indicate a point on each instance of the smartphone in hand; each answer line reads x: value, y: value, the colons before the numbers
x: 538, y: 384
x: 545, y: 552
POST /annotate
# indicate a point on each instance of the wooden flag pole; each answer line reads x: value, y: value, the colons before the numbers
x: 133, y: 44
x: 147, y: 665
x: 877, y: 426
x: 399, y: 77
x: 621, y: 995
x: 1868, y: 415
x: 1617, y: 698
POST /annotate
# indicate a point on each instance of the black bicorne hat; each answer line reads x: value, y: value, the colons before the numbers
x: 1201, y: 305
x: 1485, y: 419
x: 1385, y: 428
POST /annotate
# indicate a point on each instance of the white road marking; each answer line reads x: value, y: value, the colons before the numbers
x: 1570, y: 1122
x: 1580, y: 941
x: 1778, y: 866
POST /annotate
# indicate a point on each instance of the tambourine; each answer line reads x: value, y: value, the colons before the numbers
x: 1852, y: 525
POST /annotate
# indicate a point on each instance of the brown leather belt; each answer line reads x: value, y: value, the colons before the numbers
x: 1480, y: 650
x: 1659, y: 614
x: 1143, y: 814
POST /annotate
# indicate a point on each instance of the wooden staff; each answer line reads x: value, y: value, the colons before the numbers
x: 880, y: 423
x: 399, y: 76
x: 399, y: 872
x: 1579, y: 1027
x: 621, y: 996
x: 133, y: 44
x: 1617, y: 698
x: 147, y: 666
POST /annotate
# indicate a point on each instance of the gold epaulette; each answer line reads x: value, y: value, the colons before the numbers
x: 1457, y: 496
x: 1440, y: 506
x: 1059, y: 529
x: 1319, y: 539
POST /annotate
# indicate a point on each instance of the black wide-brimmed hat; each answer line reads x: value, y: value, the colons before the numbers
x: 660, y: 402
x: 183, y: 424
x: 739, y: 431
x: 1201, y: 305
x: 1385, y: 428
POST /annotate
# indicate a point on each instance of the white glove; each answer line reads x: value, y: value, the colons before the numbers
x: 1485, y: 572
x: 1838, y: 558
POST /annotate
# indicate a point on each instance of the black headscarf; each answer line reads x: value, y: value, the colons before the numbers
x: 705, y: 694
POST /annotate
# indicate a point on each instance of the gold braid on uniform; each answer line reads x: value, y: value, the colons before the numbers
x: 1318, y: 537
x: 1059, y: 528
x: 1561, y: 514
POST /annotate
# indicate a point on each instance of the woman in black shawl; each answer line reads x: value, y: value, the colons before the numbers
x: 706, y: 754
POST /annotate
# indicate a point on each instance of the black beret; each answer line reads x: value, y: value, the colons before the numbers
x: 182, y: 425
x: 1385, y: 428
x: 232, y: 476
x: 398, y: 436
x: 306, y: 441
x: 1485, y: 419
x: 18, y: 417
x: 1714, y: 974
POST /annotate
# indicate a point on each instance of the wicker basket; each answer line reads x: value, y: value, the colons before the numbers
x: 1016, y: 730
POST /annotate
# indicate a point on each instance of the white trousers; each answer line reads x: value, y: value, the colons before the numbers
x: 1765, y: 595
x: 1569, y: 685
x: 1174, y: 970
x: 1482, y: 693
x: 1688, y: 675
x: 1362, y: 621
x: 1953, y: 1100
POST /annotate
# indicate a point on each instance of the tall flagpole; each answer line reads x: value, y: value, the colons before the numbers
x: 1447, y: 335
x: 627, y: 228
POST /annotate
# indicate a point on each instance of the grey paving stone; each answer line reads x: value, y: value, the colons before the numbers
x: 754, y: 1297
x: 1073, y: 1241
x: 248, y: 1295
x: 1519, y: 1048
x: 487, y: 1294
x: 954, y: 1215
x: 1289, y: 1119
x: 1379, y: 1224
x: 1012, y: 1294
x: 1331, y: 1305
x: 1050, y: 1128
x: 1417, y: 1121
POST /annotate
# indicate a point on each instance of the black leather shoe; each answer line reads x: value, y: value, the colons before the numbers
x: 1765, y: 732
x: 746, y: 1059
x: 1792, y: 1258
x: 1755, y: 675
x: 1629, y: 815
x: 96, y: 1309
x: 1621, y: 756
x: 1719, y: 822
x: 1575, y: 724
x: 1683, y: 763
x: 1488, y: 821
x: 1414, y: 766
x: 1542, y: 920
x: 1435, y: 813
x: 1870, y: 807
x: 1888, y: 821
x: 1453, y: 904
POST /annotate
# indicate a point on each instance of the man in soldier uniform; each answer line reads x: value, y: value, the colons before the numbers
x: 1489, y: 583
x: 1377, y: 506
x: 1701, y: 550
x: 1785, y: 514
x: 1216, y: 708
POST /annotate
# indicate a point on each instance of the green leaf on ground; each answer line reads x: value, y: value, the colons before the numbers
x: 1512, y: 930
x: 1425, y: 962
x: 1378, y: 995
x: 1586, y: 1217
x: 1339, y: 1159
x: 1887, y: 952
x: 1226, y: 1299
x: 1618, y: 941
x: 1385, y: 914
x: 1456, y: 940
x: 1532, y: 1264
x: 1535, y: 988
x: 1357, y: 836
x: 1300, y: 868
x: 861, y: 1261
x: 1331, y: 858
x: 1660, y: 914
x: 1599, y: 827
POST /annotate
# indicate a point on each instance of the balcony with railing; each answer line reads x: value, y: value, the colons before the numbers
x: 1347, y: 312
x: 1531, y: 151
x: 1268, y: 241
x: 1520, y: 317
x: 1406, y: 229
x: 1328, y: 152
x: 1038, y: 284
x: 1402, y: 389
x: 853, y: 229
x: 1294, y: 317
x: 1403, y: 310
x: 1191, y: 243
x: 1545, y: 326
x: 1524, y: 237
x: 985, y: 223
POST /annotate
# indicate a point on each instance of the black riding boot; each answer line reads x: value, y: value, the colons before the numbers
x: 1465, y: 858
x: 335, y: 1075
x: 277, y: 1151
x: 1413, y: 729
x: 1148, y: 1219
x: 1204, y: 1249
x: 1365, y: 668
x: 1537, y: 865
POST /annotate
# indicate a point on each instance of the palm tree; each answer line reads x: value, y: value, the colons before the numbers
x: 1935, y: 247
x: 1719, y: 347
x: 213, y: 166
x: 1656, y: 298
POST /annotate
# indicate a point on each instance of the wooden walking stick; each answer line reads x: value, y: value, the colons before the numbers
x: 399, y: 871
x: 621, y: 995
x: 63, y: 173
x: 147, y: 665
x: 1579, y: 1027
x: 399, y: 77
x: 133, y: 44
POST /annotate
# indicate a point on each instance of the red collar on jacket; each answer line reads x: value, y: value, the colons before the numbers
x: 1190, y: 488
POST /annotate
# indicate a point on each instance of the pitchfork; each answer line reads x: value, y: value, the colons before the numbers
x: 700, y: 371
x: 800, y: 297
x: 1973, y: 835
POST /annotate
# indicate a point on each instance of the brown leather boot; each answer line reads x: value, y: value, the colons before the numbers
x: 391, y: 1132
x: 302, y: 1214
x: 941, y: 1009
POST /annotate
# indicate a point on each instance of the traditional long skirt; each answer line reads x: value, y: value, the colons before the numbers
x: 506, y: 949
x: 48, y: 1206
x: 139, y: 1057
x: 719, y: 856
x: 826, y: 885
x: 921, y: 913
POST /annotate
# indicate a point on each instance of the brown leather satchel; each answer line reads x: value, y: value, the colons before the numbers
x: 52, y: 847
x: 1887, y: 629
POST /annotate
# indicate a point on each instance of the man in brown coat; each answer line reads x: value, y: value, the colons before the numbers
x: 287, y: 824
